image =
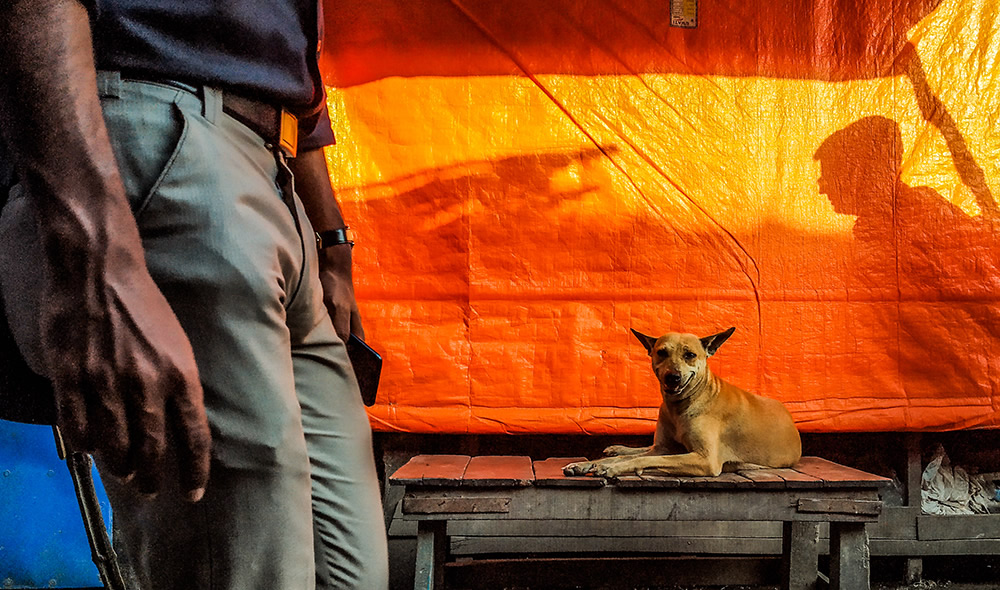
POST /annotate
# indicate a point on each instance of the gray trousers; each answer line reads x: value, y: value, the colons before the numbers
x: 293, y: 498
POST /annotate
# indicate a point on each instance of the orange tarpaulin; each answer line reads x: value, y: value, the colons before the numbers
x: 530, y: 180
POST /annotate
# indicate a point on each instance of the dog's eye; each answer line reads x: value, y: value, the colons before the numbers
x: 662, y: 353
x: 690, y: 356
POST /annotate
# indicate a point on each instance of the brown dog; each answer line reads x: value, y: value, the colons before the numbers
x: 705, y: 425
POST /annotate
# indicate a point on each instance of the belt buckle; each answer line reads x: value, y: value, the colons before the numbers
x: 288, y: 134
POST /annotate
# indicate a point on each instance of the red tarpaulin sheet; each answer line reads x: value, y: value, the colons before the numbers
x: 530, y: 180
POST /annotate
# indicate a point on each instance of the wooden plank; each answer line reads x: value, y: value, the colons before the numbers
x: 498, y: 471
x: 390, y: 502
x: 797, y: 479
x: 431, y: 470
x: 549, y: 473
x: 615, y: 528
x: 616, y: 572
x: 647, y: 481
x: 764, y: 478
x: 462, y: 545
x: 682, y: 530
x: 959, y: 527
x: 617, y: 503
x: 738, y: 479
x: 836, y: 475
x: 840, y: 506
x: 456, y: 505
x: 474, y: 542
x: 895, y: 522
x: 910, y: 548
x: 641, y: 529
x: 725, y: 480
x: 651, y: 479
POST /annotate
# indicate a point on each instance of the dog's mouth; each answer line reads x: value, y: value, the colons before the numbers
x: 673, y: 389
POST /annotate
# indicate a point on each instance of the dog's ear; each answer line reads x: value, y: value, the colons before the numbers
x: 713, y: 342
x: 647, y: 341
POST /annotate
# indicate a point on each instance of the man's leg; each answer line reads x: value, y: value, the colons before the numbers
x: 225, y: 251
x: 351, y: 549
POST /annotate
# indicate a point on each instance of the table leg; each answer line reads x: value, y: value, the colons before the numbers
x: 432, y: 547
x: 913, y: 571
x: 849, y: 556
x: 799, y: 555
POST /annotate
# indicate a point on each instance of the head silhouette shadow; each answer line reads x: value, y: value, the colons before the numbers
x: 860, y: 174
x: 909, y: 236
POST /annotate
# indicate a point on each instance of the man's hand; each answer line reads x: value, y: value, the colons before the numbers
x: 338, y: 291
x: 122, y: 368
x: 123, y: 371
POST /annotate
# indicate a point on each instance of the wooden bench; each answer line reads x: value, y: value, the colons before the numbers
x: 438, y: 489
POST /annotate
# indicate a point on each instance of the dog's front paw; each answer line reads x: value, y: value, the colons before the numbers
x: 615, y: 450
x: 579, y: 468
x: 612, y: 469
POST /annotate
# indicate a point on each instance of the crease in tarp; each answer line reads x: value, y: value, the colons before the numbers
x: 608, y: 50
x: 698, y: 207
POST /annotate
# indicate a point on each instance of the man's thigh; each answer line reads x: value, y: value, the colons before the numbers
x: 224, y: 249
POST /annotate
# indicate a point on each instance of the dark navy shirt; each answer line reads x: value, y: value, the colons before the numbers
x: 264, y: 49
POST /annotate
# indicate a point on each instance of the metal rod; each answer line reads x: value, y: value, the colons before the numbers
x: 101, y: 551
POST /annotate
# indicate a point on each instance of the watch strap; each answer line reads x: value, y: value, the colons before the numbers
x: 334, y: 237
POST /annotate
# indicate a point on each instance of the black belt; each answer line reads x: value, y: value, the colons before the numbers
x: 276, y: 125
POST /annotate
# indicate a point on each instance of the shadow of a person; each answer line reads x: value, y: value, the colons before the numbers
x: 909, y: 236
x: 932, y: 269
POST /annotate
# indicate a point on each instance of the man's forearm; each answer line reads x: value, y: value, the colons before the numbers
x: 312, y: 183
x: 50, y: 116
x: 51, y: 112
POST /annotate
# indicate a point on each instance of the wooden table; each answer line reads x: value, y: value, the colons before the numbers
x: 443, y: 488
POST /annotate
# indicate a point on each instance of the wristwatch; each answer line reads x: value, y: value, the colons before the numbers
x: 334, y: 237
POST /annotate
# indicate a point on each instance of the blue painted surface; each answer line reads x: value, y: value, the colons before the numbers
x: 42, y: 540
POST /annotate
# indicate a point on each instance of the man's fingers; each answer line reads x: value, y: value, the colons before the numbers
x: 189, y: 423
x: 114, y: 416
x: 356, y: 328
x: 109, y: 426
x: 341, y: 319
x: 71, y: 416
x: 150, y: 439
